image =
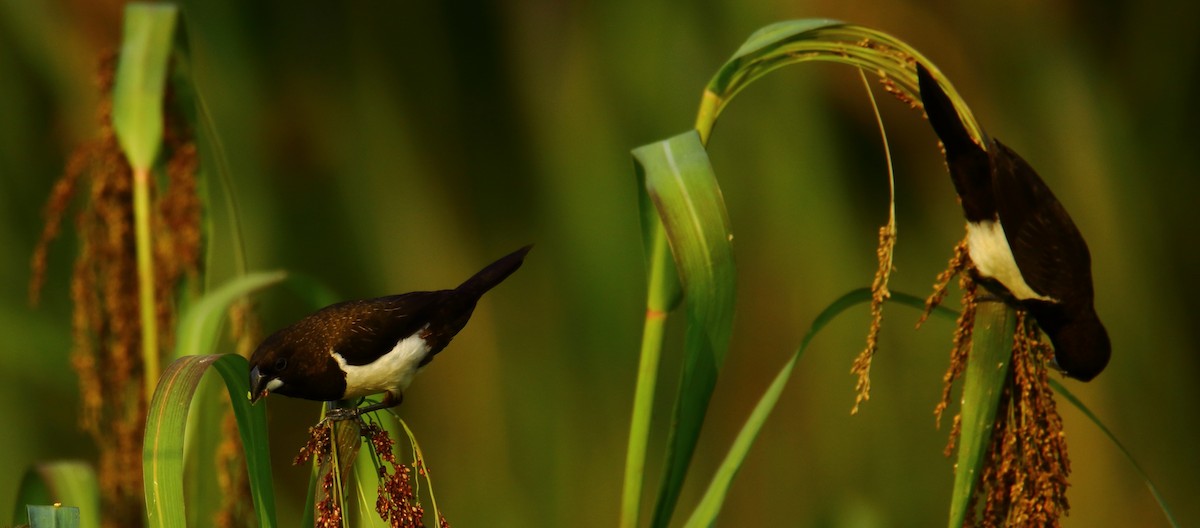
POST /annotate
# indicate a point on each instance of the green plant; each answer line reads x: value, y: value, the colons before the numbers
x: 677, y: 180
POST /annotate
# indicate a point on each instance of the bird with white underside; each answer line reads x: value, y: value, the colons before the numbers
x: 1024, y: 245
x: 372, y: 346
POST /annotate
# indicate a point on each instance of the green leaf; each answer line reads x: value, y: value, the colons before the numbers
x: 983, y: 383
x: 706, y: 512
x: 772, y: 34
x: 67, y: 482
x: 663, y: 294
x: 53, y: 516
x: 796, y: 41
x: 1162, y: 504
x: 138, y: 91
x: 689, y: 228
x: 198, y: 333
x: 315, y: 292
x: 681, y: 183
x: 199, y: 328
x: 713, y: 499
x: 162, y: 451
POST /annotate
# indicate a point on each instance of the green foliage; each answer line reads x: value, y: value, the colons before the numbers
x: 675, y: 171
x: 710, y: 504
x: 348, y: 147
x: 983, y: 383
x: 141, y: 80
x: 162, y: 459
x: 1158, y: 498
x: 137, y: 119
x: 679, y: 179
x: 200, y: 327
x: 53, y: 516
x: 69, y: 483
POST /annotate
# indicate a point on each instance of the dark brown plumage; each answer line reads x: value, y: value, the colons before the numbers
x: 357, y: 348
x: 1023, y: 243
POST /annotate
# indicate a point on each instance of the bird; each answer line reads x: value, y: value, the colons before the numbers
x: 1023, y: 243
x: 363, y: 347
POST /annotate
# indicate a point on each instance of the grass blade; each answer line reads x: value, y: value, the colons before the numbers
x: 67, y: 482
x: 710, y: 504
x: 1162, y: 504
x: 199, y: 332
x: 141, y: 81
x: 53, y: 516
x: 796, y: 41
x: 162, y: 452
x: 137, y: 118
x: 199, y: 328
x: 663, y: 295
x: 681, y: 183
x: 983, y: 383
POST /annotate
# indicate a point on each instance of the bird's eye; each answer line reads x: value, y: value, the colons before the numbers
x: 280, y: 364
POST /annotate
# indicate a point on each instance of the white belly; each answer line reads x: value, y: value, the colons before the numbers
x: 993, y: 257
x: 393, y: 371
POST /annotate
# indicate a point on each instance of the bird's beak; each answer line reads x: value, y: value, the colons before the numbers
x: 258, y: 386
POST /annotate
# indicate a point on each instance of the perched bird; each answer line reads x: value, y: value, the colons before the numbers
x: 1022, y: 241
x: 358, y: 348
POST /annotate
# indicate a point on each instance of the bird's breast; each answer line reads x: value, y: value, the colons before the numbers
x: 993, y: 257
x: 392, y: 371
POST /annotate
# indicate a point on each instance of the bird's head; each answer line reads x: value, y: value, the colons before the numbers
x: 295, y: 362
x: 1082, y: 348
x: 270, y: 367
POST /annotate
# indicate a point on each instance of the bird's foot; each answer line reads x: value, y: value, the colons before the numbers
x: 341, y: 413
x: 390, y: 399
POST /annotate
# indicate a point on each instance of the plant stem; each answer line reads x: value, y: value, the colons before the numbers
x: 145, y: 270
x: 657, y: 307
x: 983, y: 383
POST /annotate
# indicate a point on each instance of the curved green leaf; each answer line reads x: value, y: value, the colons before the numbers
x: 199, y: 328
x: 663, y: 294
x: 713, y: 499
x: 796, y: 41
x: 706, y: 512
x: 162, y: 451
x: 681, y: 183
x: 1162, y: 504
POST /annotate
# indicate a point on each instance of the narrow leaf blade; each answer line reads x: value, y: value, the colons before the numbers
x: 41, y: 516
x: 983, y: 383
x: 199, y: 327
x: 141, y: 80
x: 682, y: 185
x: 1162, y: 503
x: 710, y: 504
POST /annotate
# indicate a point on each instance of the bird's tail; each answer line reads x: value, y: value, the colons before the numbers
x: 943, y: 116
x: 494, y: 273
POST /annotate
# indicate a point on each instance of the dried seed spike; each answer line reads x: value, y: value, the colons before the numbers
x: 1024, y: 480
x: 879, y: 294
x: 961, y: 261
x: 962, y: 344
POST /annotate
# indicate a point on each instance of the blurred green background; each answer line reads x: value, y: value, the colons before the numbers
x: 384, y: 147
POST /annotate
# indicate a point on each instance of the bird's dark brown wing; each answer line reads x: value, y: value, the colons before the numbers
x: 373, y: 327
x: 1048, y: 248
